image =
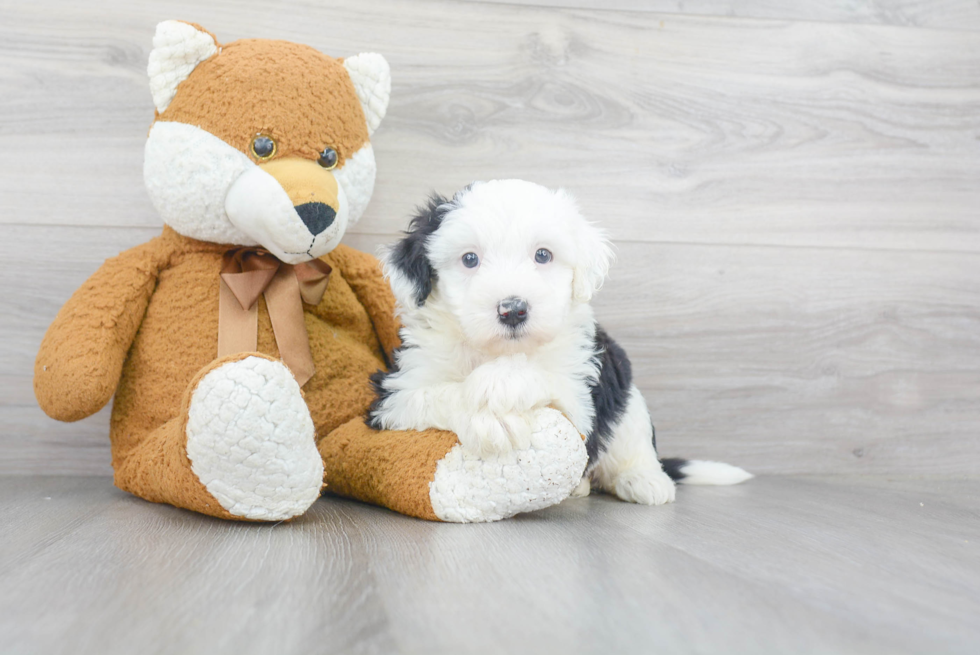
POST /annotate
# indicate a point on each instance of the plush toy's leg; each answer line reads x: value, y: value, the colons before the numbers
x: 242, y: 446
x: 428, y: 475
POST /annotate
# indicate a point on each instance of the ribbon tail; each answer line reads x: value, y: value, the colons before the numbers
x: 237, y: 327
x: 289, y: 325
x: 313, y: 277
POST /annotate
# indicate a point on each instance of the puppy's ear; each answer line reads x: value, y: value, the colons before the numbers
x: 406, y: 263
x: 595, y: 254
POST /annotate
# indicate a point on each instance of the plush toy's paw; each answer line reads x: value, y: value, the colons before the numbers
x: 250, y: 440
x: 467, y: 488
x: 644, y: 486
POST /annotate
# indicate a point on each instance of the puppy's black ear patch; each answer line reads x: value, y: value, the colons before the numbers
x: 408, y: 256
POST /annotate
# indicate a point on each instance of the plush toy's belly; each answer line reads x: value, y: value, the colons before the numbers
x: 179, y: 336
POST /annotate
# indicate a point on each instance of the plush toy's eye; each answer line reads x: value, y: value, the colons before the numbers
x: 263, y: 147
x: 328, y: 158
x: 470, y: 260
x: 542, y: 256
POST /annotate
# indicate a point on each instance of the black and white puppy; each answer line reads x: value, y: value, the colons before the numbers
x: 493, y: 289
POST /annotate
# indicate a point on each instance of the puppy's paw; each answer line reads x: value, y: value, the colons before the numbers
x: 483, y: 434
x: 583, y: 489
x: 487, y: 434
x: 507, y: 385
x: 645, y: 486
x: 518, y: 430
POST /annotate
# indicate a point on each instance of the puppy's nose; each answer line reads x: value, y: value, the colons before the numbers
x: 512, y: 311
x: 317, y: 216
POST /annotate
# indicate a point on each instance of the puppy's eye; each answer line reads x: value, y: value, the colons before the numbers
x: 328, y: 158
x: 542, y: 256
x: 470, y: 260
x: 263, y: 147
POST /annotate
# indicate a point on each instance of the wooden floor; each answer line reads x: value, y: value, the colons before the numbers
x: 778, y: 565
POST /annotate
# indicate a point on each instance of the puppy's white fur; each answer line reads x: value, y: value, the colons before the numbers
x: 462, y: 369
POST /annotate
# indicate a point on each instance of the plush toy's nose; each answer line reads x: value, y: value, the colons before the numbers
x: 312, y: 190
x: 317, y: 216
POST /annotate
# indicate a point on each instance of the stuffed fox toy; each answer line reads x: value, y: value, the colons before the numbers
x: 239, y: 343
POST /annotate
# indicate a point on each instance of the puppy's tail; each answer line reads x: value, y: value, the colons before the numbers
x: 698, y: 471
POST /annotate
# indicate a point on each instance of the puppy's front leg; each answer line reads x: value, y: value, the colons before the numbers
x: 405, y: 406
x: 498, y: 398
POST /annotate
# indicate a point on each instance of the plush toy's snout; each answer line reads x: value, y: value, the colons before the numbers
x: 311, y: 188
x: 292, y: 207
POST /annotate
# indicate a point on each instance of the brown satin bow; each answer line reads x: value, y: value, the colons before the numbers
x: 247, y: 273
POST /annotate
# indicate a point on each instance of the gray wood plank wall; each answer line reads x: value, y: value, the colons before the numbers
x: 794, y: 193
x: 943, y: 14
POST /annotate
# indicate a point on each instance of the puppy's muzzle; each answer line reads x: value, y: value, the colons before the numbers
x: 512, y: 311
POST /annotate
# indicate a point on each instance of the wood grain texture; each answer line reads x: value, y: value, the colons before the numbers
x: 795, y: 203
x: 679, y: 129
x: 777, y: 565
x: 940, y: 14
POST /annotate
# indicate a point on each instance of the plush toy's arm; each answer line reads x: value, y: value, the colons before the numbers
x: 81, y: 357
x: 363, y: 274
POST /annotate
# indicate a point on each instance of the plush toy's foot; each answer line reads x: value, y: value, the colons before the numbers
x: 250, y: 440
x: 428, y: 474
x: 468, y: 488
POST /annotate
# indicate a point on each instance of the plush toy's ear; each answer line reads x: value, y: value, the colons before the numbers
x: 594, y: 256
x: 178, y: 47
x: 407, y: 264
x: 372, y: 80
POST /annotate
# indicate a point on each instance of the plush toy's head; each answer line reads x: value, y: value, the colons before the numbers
x: 261, y: 143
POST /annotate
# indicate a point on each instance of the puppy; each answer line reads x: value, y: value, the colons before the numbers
x: 493, y: 289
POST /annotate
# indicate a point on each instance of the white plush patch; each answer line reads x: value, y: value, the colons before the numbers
x: 177, y: 49
x: 699, y: 471
x: 356, y: 180
x: 371, y: 76
x: 188, y: 172
x: 470, y: 489
x: 250, y: 440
